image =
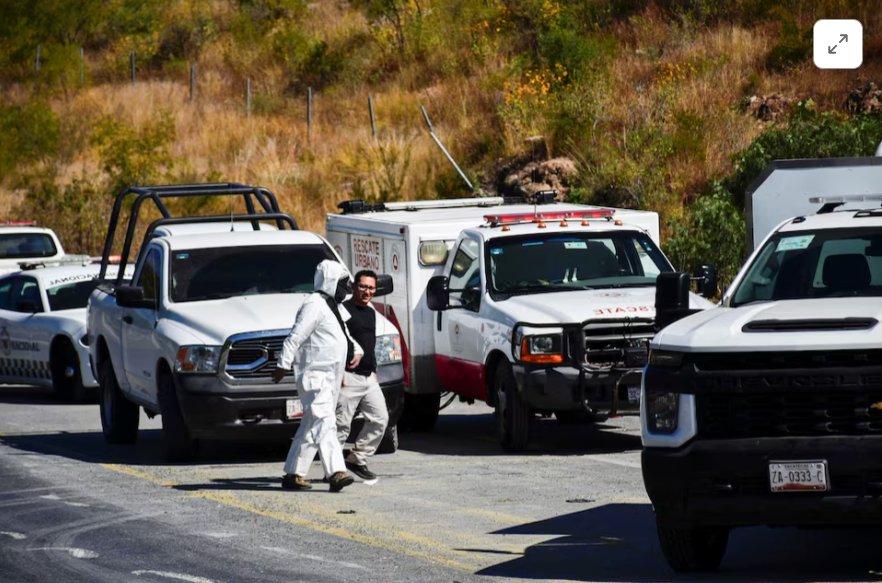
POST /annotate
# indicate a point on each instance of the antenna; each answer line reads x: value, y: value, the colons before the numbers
x: 443, y: 149
x: 232, y: 224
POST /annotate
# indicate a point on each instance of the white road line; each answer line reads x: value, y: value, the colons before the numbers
x: 79, y: 504
x: 315, y: 558
x: 15, y: 535
x: 219, y: 534
x: 74, y: 552
x: 51, y: 497
x: 177, y: 576
x: 613, y: 461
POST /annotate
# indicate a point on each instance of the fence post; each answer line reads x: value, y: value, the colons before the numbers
x: 192, y: 81
x: 309, y: 114
x: 38, y: 58
x: 82, y: 67
x: 133, y: 68
x: 373, y: 123
x: 248, y: 99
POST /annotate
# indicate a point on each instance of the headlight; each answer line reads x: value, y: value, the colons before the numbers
x: 662, y: 411
x: 387, y: 349
x: 532, y: 345
x: 197, y: 359
x: 665, y: 358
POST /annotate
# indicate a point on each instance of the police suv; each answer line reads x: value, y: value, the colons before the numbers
x: 43, y: 338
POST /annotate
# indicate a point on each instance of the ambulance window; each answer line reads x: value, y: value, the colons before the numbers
x: 465, y: 275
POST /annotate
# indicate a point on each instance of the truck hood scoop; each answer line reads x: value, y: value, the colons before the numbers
x: 810, y: 325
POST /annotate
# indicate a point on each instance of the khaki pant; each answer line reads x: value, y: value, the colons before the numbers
x: 363, y: 394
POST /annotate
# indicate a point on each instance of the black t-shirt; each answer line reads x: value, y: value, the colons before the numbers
x: 363, y: 328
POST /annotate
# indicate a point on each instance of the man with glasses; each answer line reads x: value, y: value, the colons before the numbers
x: 361, y: 390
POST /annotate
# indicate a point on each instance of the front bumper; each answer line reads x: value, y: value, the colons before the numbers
x: 255, y: 412
x: 726, y: 482
x: 391, y: 379
x: 557, y: 388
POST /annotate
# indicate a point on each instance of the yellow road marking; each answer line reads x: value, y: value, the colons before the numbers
x: 138, y: 474
x: 336, y: 531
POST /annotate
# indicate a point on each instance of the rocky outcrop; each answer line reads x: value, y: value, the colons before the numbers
x: 774, y: 107
x: 524, y: 177
x: 865, y: 98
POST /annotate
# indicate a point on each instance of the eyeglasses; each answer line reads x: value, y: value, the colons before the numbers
x: 367, y: 288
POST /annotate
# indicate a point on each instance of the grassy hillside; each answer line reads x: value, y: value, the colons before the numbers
x: 669, y: 105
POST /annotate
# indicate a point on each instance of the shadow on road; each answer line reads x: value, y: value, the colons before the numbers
x: 617, y: 543
x: 471, y: 434
x: 148, y: 451
x: 22, y: 395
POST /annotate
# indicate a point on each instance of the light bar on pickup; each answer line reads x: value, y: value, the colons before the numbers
x: 537, y: 217
x: 846, y: 198
x: 18, y: 223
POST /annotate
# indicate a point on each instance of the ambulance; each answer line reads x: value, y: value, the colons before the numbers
x: 535, y: 309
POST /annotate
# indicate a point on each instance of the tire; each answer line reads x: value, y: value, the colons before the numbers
x: 513, y: 416
x: 389, y: 443
x: 179, y: 445
x: 67, y: 376
x: 693, y: 549
x: 119, y: 416
x: 421, y: 412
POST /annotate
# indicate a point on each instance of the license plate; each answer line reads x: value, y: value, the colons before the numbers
x: 633, y: 394
x: 293, y: 408
x: 798, y: 476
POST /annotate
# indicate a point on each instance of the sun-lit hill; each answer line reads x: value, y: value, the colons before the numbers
x: 646, y: 101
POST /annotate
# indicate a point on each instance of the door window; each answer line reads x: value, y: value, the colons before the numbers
x: 465, y: 275
x: 27, y: 290
x: 149, y: 276
x: 6, y: 293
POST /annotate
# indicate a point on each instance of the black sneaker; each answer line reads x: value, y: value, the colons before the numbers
x: 340, y: 480
x: 295, y: 482
x: 361, y: 471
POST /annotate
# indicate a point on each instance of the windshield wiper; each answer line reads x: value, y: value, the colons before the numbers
x: 208, y: 297
x: 542, y: 288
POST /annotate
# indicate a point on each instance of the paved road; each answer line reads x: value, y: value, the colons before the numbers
x: 448, y: 507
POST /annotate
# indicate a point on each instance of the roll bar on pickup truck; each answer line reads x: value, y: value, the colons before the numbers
x: 264, y: 197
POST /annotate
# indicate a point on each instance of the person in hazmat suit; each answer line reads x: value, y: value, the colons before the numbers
x: 318, y: 348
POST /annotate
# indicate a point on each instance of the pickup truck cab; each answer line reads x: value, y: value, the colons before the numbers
x: 197, y: 335
x: 23, y: 241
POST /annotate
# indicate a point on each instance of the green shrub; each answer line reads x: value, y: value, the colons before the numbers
x: 135, y: 155
x: 30, y: 132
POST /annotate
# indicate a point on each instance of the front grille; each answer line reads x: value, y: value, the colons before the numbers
x: 765, y: 361
x: 615, y: 344
x: 256, y: 356
x: 789, y: 414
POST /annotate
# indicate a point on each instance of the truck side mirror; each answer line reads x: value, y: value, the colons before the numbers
x: 707, y: 284
x: 128, y: 296
x: 671, y: 297
x: 384, y: 285
x: 438, y: 293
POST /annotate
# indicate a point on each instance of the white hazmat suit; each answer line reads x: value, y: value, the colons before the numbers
x: 316, y: 348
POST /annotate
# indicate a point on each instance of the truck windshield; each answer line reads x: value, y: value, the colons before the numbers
x: 26, y: 245
x: 814, y: 264
x: 574, y: 261
x: 224, y: 272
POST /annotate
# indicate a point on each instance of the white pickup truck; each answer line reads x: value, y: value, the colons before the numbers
x: 197, y: 335
x: 24, y: 242
x: 533, y: 309
x: 767, y: 409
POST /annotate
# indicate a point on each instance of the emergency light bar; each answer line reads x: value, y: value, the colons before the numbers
x: 18, y: 223
x: 845, y: 199
x: 537, y: 217
x: 444, y: 204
